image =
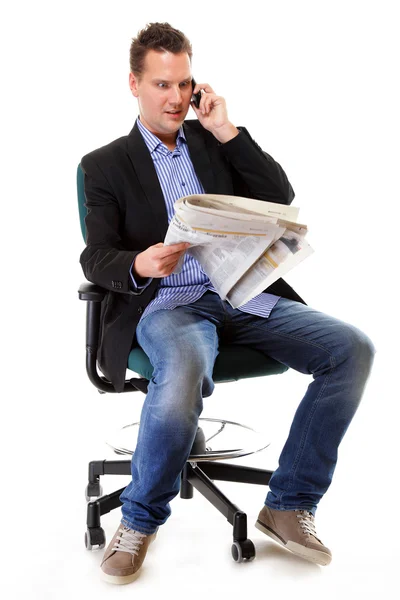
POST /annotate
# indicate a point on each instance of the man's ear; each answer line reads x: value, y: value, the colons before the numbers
x: 133, y: 84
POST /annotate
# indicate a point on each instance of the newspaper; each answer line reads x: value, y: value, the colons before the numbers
x: 242, y: 244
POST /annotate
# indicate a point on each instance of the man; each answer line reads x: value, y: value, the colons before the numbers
x: 130, y: 186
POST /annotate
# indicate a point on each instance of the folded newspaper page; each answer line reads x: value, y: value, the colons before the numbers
x: 242, y: 244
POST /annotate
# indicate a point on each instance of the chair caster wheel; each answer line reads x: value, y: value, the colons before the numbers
x: 93, y: 491
x: 95, y: 537
x: 243, y: 551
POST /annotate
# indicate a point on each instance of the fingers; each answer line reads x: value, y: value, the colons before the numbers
x: 172, y: 249
x: 210, y: 100
x: 207, y: 103
x: 203, y: 86
x: 206, y: 98
x: 168, y: 264
x: 167, y: 268
x: 159, y: 260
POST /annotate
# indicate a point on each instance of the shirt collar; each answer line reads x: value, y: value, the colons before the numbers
x: 153, y: 142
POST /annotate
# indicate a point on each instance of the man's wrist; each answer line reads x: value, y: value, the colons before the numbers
x: 225, y: 133
x: 139, y: 278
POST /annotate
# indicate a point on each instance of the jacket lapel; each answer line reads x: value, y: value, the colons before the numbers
x: 200, y: 157
x: 147, y: 175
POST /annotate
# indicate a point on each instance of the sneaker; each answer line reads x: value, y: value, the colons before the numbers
x: 295, y: 530
x: 124, y: 555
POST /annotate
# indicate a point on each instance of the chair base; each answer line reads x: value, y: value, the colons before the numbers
x: 228, y: 440
x: 192, y: 477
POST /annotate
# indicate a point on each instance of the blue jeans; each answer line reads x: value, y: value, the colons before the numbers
x: 182, y: 345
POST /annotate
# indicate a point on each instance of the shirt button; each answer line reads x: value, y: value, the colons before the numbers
x: 183, y: 183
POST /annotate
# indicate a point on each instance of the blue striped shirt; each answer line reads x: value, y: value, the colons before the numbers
x: 178, y: 178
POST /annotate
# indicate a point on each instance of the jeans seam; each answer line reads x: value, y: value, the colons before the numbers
x: 307, y: 428
x: 292, y: 337
x: 314, y: 406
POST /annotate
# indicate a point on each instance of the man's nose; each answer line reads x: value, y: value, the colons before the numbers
x: 175, y: 96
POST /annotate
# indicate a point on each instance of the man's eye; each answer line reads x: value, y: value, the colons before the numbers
x: 183, y: 84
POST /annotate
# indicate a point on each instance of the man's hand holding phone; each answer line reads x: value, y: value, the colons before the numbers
x: 158, y: 260
x: 212, y: 113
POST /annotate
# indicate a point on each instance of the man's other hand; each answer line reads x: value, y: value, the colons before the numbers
x: 158, y: 260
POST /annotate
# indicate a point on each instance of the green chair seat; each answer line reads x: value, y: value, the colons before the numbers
x: 233, y: 363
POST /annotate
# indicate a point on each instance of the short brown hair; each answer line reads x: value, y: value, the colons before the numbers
x: 161, y: 37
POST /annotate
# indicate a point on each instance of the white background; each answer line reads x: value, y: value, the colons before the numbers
x: 316, y: 85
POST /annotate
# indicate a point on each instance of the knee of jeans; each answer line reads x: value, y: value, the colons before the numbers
x: 189, y: 376
x: 182, y: 392
x: 358, y: 347
x: 194, y: 374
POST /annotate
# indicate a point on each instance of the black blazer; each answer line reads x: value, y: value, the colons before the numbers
x: 127, y: 214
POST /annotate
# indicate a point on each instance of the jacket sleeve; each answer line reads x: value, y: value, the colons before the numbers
x: 104, y: 261
x: 139, y: 286
x: 263, y: 177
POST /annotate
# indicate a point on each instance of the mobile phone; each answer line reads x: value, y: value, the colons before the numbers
x: 196, y: 97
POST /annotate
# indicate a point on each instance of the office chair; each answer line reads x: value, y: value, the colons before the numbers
x: 232, y: 363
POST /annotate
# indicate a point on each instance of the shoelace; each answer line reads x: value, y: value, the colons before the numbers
x: 306, y: 520
x: 129, y: 541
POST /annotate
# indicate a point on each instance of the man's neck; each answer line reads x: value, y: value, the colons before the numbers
x: 168, y: 139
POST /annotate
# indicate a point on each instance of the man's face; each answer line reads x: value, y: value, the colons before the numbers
x: 165, y: 86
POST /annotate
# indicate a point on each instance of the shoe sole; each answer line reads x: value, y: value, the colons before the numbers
x: 118, y: 579
x: 314, y: 556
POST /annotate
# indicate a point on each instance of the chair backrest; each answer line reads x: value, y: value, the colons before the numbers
x: 81, y: 200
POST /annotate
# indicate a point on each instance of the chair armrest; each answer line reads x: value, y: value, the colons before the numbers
x: 91, y: 292
x: 94, y: 294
